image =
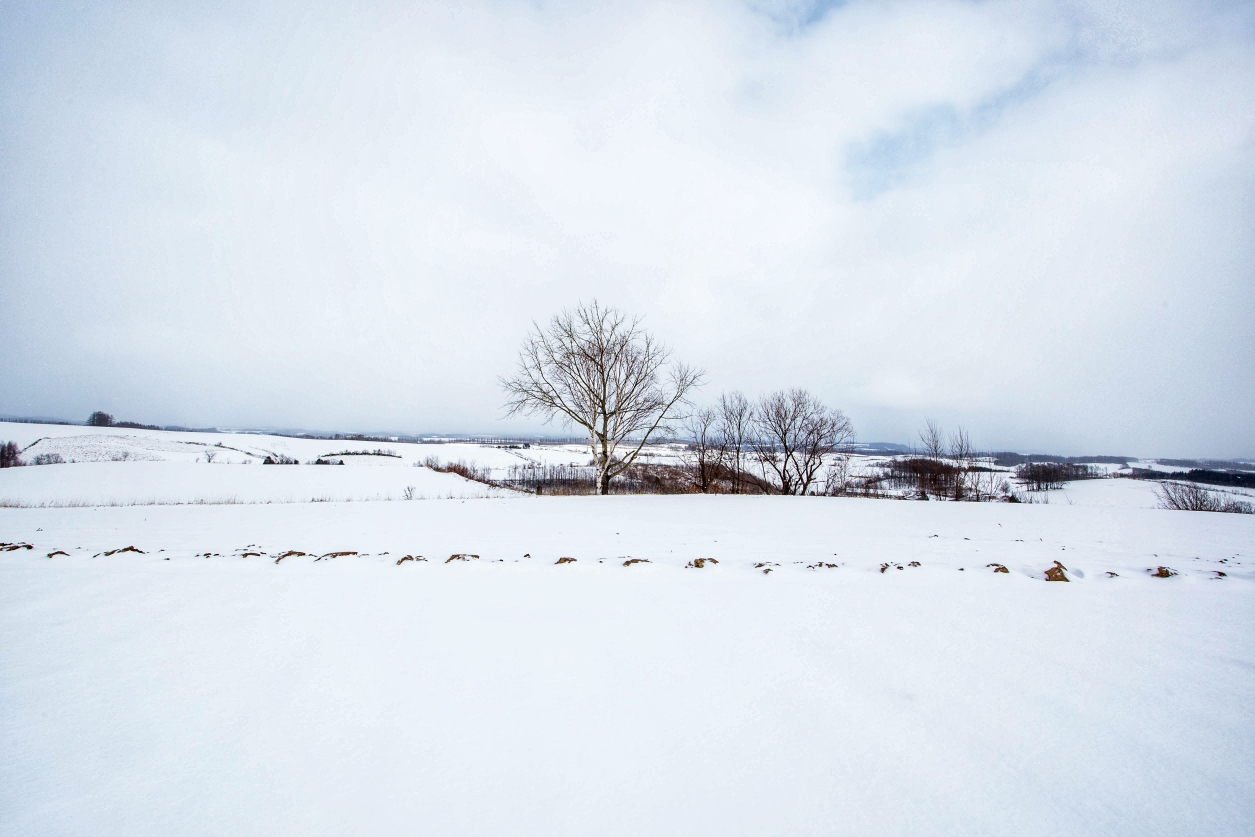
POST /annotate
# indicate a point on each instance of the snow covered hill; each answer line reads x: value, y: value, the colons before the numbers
x: 842, y: 666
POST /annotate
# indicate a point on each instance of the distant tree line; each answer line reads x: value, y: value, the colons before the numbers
x: 1203, y: 475
x: 1008, y: 459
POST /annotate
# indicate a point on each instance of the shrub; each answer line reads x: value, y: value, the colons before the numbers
x: 1184, y: 496
x: 469, y: 471
x: 48, y: 459
x: 10, y: 455
x: 279, y: 459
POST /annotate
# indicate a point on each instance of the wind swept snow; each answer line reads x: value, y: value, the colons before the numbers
x: 328, y: 668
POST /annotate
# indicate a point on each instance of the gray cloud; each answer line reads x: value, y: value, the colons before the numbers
x: 1031, y: 218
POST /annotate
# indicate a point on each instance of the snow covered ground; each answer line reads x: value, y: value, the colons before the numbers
x: 848, y: 666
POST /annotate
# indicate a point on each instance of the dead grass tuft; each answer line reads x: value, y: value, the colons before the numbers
x: 566, y: 559
x: 699, y: 563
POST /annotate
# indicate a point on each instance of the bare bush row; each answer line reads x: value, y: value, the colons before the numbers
x: 1184, y: 496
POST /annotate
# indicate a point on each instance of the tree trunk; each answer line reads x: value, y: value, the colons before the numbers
x: 601, y: 460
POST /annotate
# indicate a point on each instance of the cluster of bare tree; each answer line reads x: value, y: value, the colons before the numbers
x: 1046, y: 476
x: 944, y: 468
x: 783, y: 443
x: 596, y: 368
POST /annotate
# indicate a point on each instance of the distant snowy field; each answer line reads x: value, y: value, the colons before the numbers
x: 196, y: 686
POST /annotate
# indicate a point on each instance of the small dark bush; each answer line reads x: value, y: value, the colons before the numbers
x: 375, y: 452
x: 48, y: 459
x: 10, y: 455
x: 279, y: 459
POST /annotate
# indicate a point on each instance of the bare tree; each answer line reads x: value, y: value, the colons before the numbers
x: 794, y: 431
x: 595, y: 367
x: 961, y: 454
x: 736, y: 427
x: 707, y: 447
x: 932, y: 439
x: 837, y: 477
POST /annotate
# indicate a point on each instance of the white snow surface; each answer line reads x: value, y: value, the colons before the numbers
x: 199, y: 687
x: 137, y: 483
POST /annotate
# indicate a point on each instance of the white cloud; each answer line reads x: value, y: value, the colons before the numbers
x: 1033, y: 218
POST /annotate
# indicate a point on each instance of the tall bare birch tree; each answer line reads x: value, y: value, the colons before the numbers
x: 595, y: 367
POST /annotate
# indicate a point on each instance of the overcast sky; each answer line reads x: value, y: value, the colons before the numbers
x: 1034, y: 219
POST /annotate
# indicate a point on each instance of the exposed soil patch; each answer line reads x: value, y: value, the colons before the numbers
x: 629, y: 562
x: 412, y: 558
x: 10, y: 547
x: 58, y: 552
x: 1057, y: 573
x: 335, y: 555
x: 117, y: 551
x: 462, y: 556
x: 1162, y: 572
x: 291, y: 553
x: 699, y: 563
x: 999, y: 568
x: 566, y: 559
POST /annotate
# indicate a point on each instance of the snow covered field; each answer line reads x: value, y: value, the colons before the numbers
x: 198, y: 685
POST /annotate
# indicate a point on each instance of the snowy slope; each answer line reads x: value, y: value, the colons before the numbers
x: 512, y: 695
